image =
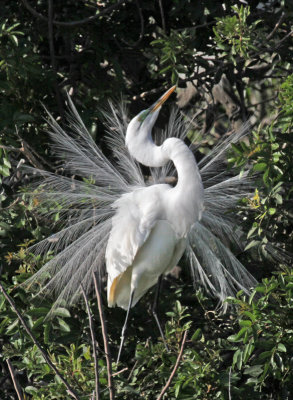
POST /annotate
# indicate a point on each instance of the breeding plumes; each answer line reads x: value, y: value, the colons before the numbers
x: 140, y: 227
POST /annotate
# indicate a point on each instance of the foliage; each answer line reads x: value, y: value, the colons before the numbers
x: 248, y: 352
x: 235, y: 35
x: 286, y: 100
x: 230, y: 62
x: 172, y: 50
x: 270, y: 152
x: 263, y: 359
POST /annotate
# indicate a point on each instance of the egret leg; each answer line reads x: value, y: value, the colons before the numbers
x: 155, y: 309
x: 125, y: 326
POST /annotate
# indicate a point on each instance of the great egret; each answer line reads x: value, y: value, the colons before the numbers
x: 150, y: 225
x: 142, y: 230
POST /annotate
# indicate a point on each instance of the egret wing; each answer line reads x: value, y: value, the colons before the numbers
x: 136, y: 215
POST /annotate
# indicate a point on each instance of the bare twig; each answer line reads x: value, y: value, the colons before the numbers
x: 93, y: 343
x: 15, y: 383
x: 11, y: 148
x: 105, y: 338
x: 283, y: 39
x: 31, y: 154
x: 262, y: 102
x: 165, y: 388
x: 162, y: 16
x: 197, y: 26
x: 120, y: 372
x: 44, y: 353
x: 276, y: 26
x: 229, y: 385
x: 74, y: 23
x: 136, y: 362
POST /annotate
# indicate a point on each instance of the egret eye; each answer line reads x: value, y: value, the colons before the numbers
x: 142, y: 116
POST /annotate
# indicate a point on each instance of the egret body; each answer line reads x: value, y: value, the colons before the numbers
x: 149, y: 229
x: 150, y: 226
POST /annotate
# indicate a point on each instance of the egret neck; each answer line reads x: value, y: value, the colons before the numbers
x: 189, y: 186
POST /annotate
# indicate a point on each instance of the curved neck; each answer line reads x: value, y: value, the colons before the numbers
x: 184, y: 161
x: 187, y: 196
x: 141, y: 146
x: 144, y: 150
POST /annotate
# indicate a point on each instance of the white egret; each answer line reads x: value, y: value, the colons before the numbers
x: 142, y: 230
x: 150, y: 225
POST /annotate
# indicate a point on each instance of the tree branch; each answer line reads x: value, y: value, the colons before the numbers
x: 11, y: 148
x: 105, y: 338
x: 276, y: 26
x: 44, y: 353
x: 162, y: 16
x: 15, y: 383
x: 165, y: 388
x: 120, y: 372
x: 93, y: 343
x: 74, y: 23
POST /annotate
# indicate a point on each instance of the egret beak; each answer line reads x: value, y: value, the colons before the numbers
x: 162, y: 99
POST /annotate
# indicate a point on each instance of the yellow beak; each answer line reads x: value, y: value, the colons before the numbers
x: 162, y: 99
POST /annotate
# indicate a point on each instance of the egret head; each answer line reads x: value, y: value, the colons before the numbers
x: 141, y: 124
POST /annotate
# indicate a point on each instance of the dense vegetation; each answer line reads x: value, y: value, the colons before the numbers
x: 231, y: 61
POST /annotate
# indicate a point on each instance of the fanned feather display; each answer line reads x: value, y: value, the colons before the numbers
x: 84, y: 195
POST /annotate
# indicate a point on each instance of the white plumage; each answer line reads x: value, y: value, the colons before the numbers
x: 142, y: 244
x: 150, y: 226
x: 108, y: 211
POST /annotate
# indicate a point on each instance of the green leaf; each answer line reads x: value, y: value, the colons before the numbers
x: 281, y: 347
x: 196, y: 335
x: 251, y: 231
x: 260, y: 166
x: 250, y: 315
x: 252, y: 381
x: 266, y: 177
x: 13, y: 39
x: 7, y: 163
x: 4, y: 171
x: 38, y: 322
x: 252, y: 244
x: 279, y: 198
x: 47, y: 333
x: 265, y: 354
x: 37, y: 312
x: 164, y: 70
x: 61, y: 312
x: 244, y: 323
x: 238, y: 336
x: 63, y: 325
x: 254, y: 371
x: 260, y: 289
x: 31, y: 390
x: 248, y: 350
x: 236, y: 148
x: 177, y: 389
x: 12, y: 27
x: 12, y: 326
x: 238, y: 358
